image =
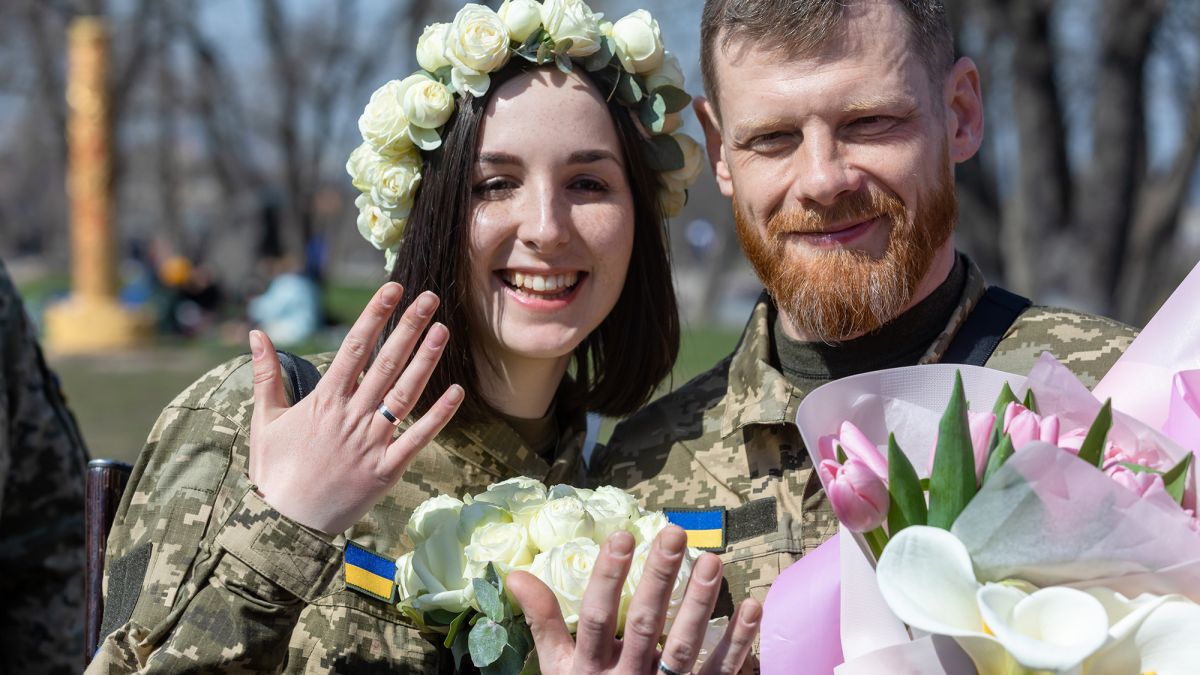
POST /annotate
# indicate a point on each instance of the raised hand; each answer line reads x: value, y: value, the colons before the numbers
x: 596, y: 650
x: 326, y: 460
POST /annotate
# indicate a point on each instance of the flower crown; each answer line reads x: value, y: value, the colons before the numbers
x: 405, y: 116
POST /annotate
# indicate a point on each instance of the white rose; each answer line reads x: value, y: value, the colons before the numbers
x: 647, y: 526
x: 672, y: 122
x: 572, y: 20
x: 465, y: 82
x: 693, y: 163
x: 638, y: 42
x: 407, y: 581
x: 427, y: 103
x: 383, y: 123
x: 563, y: 490
x: 506, y: 545
x: 479, y: 514
x: 613, y: 509
x: 522, y: 17
x: 431, y: 514
x: 395, y: 182
x: 560, y: 520
x: 440, y: 565
x: 566, y: 570
x: 668, y: 74
x: 377, y: 226
x: 519, y: 495
x: 478, y: 40
x: 362, y: 166
x: 638, y: 566
x: 431, y: 47
x: 672, y: 202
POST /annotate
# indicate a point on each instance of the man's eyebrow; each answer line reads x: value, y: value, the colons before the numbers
x: 590, y: 156
x: 499, y: 158
x: 754, y: 124
x: 874, y: 103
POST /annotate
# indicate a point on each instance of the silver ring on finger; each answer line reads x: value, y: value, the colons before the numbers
x: 667, y: 670
x: 387, y: 415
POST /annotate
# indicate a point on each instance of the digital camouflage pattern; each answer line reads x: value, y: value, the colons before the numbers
x: 42, y: 465
x: 234, y: 586
x: 728, y: 437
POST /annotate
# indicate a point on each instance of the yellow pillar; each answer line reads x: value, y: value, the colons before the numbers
x: 91, y: 319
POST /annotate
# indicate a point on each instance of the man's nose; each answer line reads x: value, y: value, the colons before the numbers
x: 822, y: 172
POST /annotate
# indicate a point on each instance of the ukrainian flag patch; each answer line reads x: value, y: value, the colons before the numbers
x: 705, y: 527
x: 369, y: 573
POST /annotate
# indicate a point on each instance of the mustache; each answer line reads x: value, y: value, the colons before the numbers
x: 854, y: 208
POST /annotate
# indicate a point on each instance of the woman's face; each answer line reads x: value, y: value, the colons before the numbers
x: 552, y: 216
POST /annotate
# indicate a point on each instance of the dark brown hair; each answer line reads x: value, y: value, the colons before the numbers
x: 617, y: 367
x: 801, y: 27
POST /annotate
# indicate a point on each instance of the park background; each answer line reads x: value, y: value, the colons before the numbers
x: 230, y: 122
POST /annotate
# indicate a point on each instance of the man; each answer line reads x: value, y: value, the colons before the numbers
x: 834, y: 127
x: 42, y: 465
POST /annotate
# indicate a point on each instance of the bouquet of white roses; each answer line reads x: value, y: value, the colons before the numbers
x: 453, y: 581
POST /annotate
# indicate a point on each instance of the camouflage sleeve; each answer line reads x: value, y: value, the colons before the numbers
x: 42, y: 465
x: 268, y: 568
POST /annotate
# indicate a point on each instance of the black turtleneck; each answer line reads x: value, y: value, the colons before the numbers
x: 900, y: 342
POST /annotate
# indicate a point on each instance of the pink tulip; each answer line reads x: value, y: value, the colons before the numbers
x: 857, y: 494
x: 1142, y: 484
x: 1145, y: 455
x: 856, y: 445
x: 1024, y: 426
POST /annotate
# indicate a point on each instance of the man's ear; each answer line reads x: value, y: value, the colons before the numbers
x: 707, y: 115
x: 963, y: 102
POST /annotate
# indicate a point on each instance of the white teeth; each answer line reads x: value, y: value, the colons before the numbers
x: 542, y: 283
x: 539, y: 283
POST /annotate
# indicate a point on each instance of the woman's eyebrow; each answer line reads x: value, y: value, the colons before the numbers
x: 499, y: 158
x: 589, y: 156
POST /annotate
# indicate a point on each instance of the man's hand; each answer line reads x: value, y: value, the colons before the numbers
x: 596, y: 650
x: 325, y: 461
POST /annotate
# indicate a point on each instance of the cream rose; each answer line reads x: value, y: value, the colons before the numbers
x: 563, y: 490
x: 426, y: 103
x: 672, y: 123
x: 441, y: 566
x: 431, y: 47
x: 479, y: 514
x: 647, y: 527
x: 613, y: 509
x: 668, y: 74
x: 395, y: 181
x: 431, y: 514
x: 672, y: 202
x: 693, y: 163
x: 506, y: 545
x: 519, y: 495
x: 477, y: 41
x: 560, y: 520
x: 383, y: 123
x: 566, y: 570
x: 376, y: 225
x: 407, y: 582
x: 522, y: 17
x: 572, y: 20
x: 638, y: 566
x: 637, y: 41
x: 363, y: 166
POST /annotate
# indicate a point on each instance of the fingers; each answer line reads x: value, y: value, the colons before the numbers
x: 648, y: 610
x: 269, y: 399
x: 595, y: 636
x: 393, y: 356
x: 400, y: 453
x: 734, y: 647
x: 687, y: 633
x: 356, y: 348
x: 550, y: 635
x: 402, y: 397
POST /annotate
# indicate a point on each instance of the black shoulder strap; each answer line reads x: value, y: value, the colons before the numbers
x: 302, y: 376
x: 996, y: 311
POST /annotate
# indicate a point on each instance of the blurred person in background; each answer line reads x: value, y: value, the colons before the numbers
x: 536, y: 238
x: 42, y: 465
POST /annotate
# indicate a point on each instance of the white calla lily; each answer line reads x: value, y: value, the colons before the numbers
x: 1149, y: 634
x: 1051, y: 629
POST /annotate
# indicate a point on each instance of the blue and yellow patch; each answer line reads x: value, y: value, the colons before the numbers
x: 369, y: 573
x: 705, y: 527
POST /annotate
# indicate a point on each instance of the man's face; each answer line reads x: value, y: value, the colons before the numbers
x: 840, y: 168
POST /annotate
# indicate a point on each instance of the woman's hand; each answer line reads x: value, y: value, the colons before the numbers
x: 596, y: 650
x: 327, y: 460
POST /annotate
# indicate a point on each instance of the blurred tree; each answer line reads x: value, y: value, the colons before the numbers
x: 1069, y: 200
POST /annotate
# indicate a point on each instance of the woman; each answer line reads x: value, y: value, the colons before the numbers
x: 535, y: 239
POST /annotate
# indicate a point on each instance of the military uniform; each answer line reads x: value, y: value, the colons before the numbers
x: 232, y: 585
x: 42, y: 465
x: 727, y: 440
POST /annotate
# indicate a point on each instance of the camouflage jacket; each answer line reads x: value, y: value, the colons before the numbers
x: 42, y: 464
x: 727, y: 440
x: 223, y: 582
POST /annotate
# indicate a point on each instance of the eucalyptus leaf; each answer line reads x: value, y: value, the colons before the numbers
x: 629, y: 89
x: 564, y: 46
x: 486, y: 642
x: 997, y: 457
x: 599, y: 59
x: 532, y: 666
x: 1175, y: 479
x: 1092, y: 450
x: 653, y: 113
x: 544, y: 52
x: 460, y: 648
x: 520, y: 639
x: 904, y: 489
x: 952, y: 483
x: 563, y: 62
x: 492, y: 577
x: 664, y: 154
x: 676, y: 99
x: 443, y: 75
x: 535, y: 39
x: 455, y: 627
x: 489, y: 599
x: 509, y: 663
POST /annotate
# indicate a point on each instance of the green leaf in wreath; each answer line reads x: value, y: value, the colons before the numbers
x: 544, y: 53
x: 489, y: 599
x: 599, y: 59
x: 1092, y: 450
x: 486, y: 642
x: 664, y: 154
x: 675, y: 98
x: 653, y: 113
x: 952, y: 483
x: 904, y: 490
x: 455, y: 627
x: 629, y: 89
x: 563, y: 63
x: 1175, y: 479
